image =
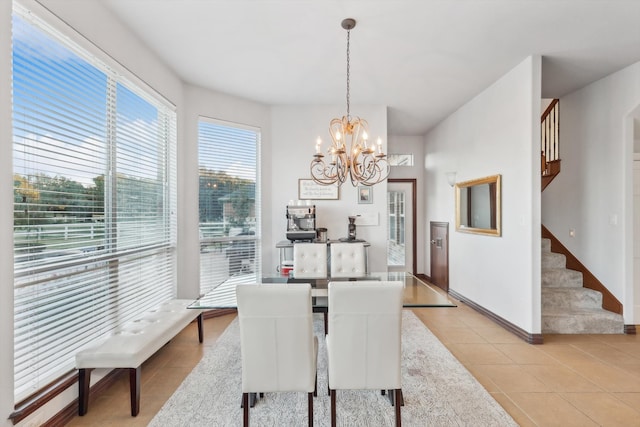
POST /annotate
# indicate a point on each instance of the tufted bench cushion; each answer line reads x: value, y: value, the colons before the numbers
x: 133, y: 343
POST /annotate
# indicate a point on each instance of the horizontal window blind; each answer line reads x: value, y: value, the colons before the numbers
x: 229, y: 204
x: 94, y: 196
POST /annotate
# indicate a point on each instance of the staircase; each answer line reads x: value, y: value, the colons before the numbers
x: 568, y: 307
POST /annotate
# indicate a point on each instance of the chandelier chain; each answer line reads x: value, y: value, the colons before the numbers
x: 348, y: 76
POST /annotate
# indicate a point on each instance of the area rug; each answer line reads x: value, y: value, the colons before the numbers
x: 437, y: 390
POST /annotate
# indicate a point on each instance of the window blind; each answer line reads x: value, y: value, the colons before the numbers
x: 94, y: 196
x: 229, y: 204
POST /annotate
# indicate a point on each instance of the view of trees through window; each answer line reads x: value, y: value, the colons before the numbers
x: 229, y: 212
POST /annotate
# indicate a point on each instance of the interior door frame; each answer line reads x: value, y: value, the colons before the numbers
x: 414, y: 210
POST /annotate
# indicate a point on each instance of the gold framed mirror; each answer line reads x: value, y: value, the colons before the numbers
x: 478, y: 206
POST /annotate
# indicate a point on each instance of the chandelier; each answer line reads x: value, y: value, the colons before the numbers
x: 350, y: 154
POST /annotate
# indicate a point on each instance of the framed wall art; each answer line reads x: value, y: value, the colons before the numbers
x: 308, y: 189
x: 365, y: 195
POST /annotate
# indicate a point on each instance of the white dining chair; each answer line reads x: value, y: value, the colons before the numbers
x: 348, y: 260
x: 364, y: 339
x: 309, y: 260
x: 279, y: 351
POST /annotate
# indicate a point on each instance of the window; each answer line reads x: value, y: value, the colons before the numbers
x: 229, y: 200
x: 94, y: 196
x: 396, y: 218
x: 400, y: 159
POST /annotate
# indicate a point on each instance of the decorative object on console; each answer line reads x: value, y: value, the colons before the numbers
x: 352, y: 228
x: 321, y: 235
x: 352, y: 155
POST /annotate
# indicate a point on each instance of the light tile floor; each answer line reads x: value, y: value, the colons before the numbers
x: 570, y: 380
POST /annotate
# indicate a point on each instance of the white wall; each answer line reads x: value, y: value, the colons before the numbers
x: 593, y: 192
x: 413, y: 145
x: 294, y: 132
x: 495, y: 133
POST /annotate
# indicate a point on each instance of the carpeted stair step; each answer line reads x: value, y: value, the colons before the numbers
x: 553, y: 260
x: 568, y: 307
x: 585, y: 321
x: 561, y: 278
x: 567, y: 299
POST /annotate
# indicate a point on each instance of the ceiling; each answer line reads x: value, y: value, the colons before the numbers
x: 423, y: 59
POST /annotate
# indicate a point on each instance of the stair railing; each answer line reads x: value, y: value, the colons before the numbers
x: 550, y: 137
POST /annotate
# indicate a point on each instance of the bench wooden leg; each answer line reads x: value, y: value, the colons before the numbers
x: 134, y: 387
x: 200, y: 332
x: 84, y: 379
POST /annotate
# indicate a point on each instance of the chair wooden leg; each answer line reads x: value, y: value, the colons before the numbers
x: 315, y: 388
x: 310, y: 397
x: 200, y: 331
x: 245, y: 409
x: 134, y: 388
x: 326, y: 324
x: 398, y: 405
x: 333, y: 407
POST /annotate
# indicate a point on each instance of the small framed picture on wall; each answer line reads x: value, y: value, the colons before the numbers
x: 365, y: 195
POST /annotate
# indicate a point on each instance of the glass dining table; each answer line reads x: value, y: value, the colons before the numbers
x: 417, y: 293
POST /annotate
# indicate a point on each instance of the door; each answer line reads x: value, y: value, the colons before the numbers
x: 401, y: 215
x: 439, y: 245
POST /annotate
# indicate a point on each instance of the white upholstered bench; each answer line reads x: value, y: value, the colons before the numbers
x: 133, y: 343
